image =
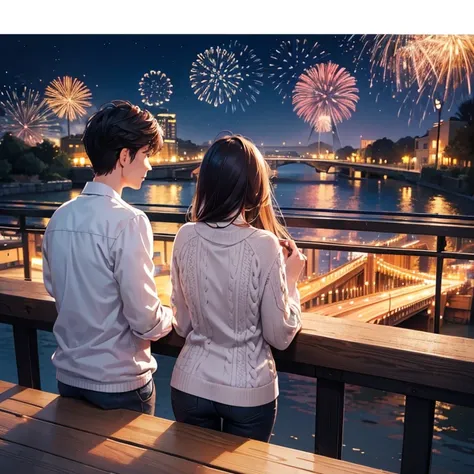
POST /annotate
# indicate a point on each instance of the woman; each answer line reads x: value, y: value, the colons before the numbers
x: 234, y: 275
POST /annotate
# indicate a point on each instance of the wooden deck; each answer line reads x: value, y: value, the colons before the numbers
x: 42, y: 433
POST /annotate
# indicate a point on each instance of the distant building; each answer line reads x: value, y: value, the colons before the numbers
x: 167, y: 122
x: 422, y: 153
x: 74, y: 147
x: 447, y: 132
x: 365, y: 142
x: 189, y: 150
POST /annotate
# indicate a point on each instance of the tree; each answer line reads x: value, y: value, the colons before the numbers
x: 11, y: 148
x: 382, y: 149
x: 470, y: 179
x: 46, y: 152
x: 28, y: 164
x: 61, y: 165
x: 462, y: 146
x: 5, y: 168
x: 345, y: 152
x: 465, y: 111
x: 405, y: 146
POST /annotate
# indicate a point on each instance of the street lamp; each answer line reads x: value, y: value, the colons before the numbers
x: 438, y: 105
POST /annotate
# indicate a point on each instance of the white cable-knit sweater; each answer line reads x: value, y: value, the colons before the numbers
x: 231, y: 302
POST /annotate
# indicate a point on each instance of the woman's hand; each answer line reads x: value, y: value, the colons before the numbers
x: 295, y: 261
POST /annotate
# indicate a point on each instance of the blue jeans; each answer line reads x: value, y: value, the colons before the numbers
x: 142, y: 400
x: 249, y: 422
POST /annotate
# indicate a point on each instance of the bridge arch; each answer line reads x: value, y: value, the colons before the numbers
x: 318, y: 167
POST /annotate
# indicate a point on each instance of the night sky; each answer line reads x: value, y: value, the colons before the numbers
x: 112, y: 65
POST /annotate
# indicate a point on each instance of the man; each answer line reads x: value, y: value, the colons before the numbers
x: 97, y: 264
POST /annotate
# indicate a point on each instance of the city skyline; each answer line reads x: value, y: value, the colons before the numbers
x: 113, y: 65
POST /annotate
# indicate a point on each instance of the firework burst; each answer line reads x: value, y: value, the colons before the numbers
x: 323, y: 124
x: 289, y: 60
x: 445, y: 64
x: 68, y: 97
x: 325, y: 90
x: 155, y: 88
x: 27, y: 116
x: 422, y: 67
x: 430, y: 61
x: 394, y: 56
x: 251, y: 75
x: 216, y: 77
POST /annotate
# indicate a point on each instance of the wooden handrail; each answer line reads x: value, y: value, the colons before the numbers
x: 437, y: 361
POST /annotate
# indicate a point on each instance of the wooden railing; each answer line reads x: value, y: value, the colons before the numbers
x: 440, y: 227
x: 424, y: 367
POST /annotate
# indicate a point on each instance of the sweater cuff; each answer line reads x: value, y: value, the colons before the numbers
x: 294, y: 294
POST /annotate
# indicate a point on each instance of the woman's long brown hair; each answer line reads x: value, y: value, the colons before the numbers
x: 234, y: 179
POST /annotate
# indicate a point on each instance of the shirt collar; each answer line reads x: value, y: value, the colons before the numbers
x: 219, y: 225
x: 100, y: 189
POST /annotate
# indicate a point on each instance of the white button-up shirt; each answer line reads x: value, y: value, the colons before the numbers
x: 97, y: 265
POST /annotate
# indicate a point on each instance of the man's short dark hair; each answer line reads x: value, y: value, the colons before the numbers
x: 118, y: 125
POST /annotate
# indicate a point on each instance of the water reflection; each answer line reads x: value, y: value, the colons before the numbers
x: 406, y: 201
x: 163, y: 194
x: 440, y: 205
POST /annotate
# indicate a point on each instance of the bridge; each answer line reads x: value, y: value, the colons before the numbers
x: 373, y: 290
x: 184, y: 166
x: 187, y: 168
x: 322, y: 165
x: 165, y: 170
x: 393, y: 307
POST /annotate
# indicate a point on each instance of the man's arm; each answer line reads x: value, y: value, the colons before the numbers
x: 48, y: 284
x: 134, y: 270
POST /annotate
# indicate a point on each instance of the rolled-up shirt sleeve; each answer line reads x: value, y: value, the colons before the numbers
x: 48, y: 283
x: 134, y: 272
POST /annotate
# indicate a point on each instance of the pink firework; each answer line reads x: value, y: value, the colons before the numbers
x: 325, y: 90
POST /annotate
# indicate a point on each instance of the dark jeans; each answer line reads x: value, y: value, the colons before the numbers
x: 249, y: 422
x: 142, y: 400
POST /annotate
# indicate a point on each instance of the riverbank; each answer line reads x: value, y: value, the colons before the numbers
x: 9, y: 189
x: 442, y: 189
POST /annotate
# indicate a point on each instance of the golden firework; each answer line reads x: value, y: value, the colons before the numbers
x: 436, y: 64
x: 445, y: 62
x: 68, y: 97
